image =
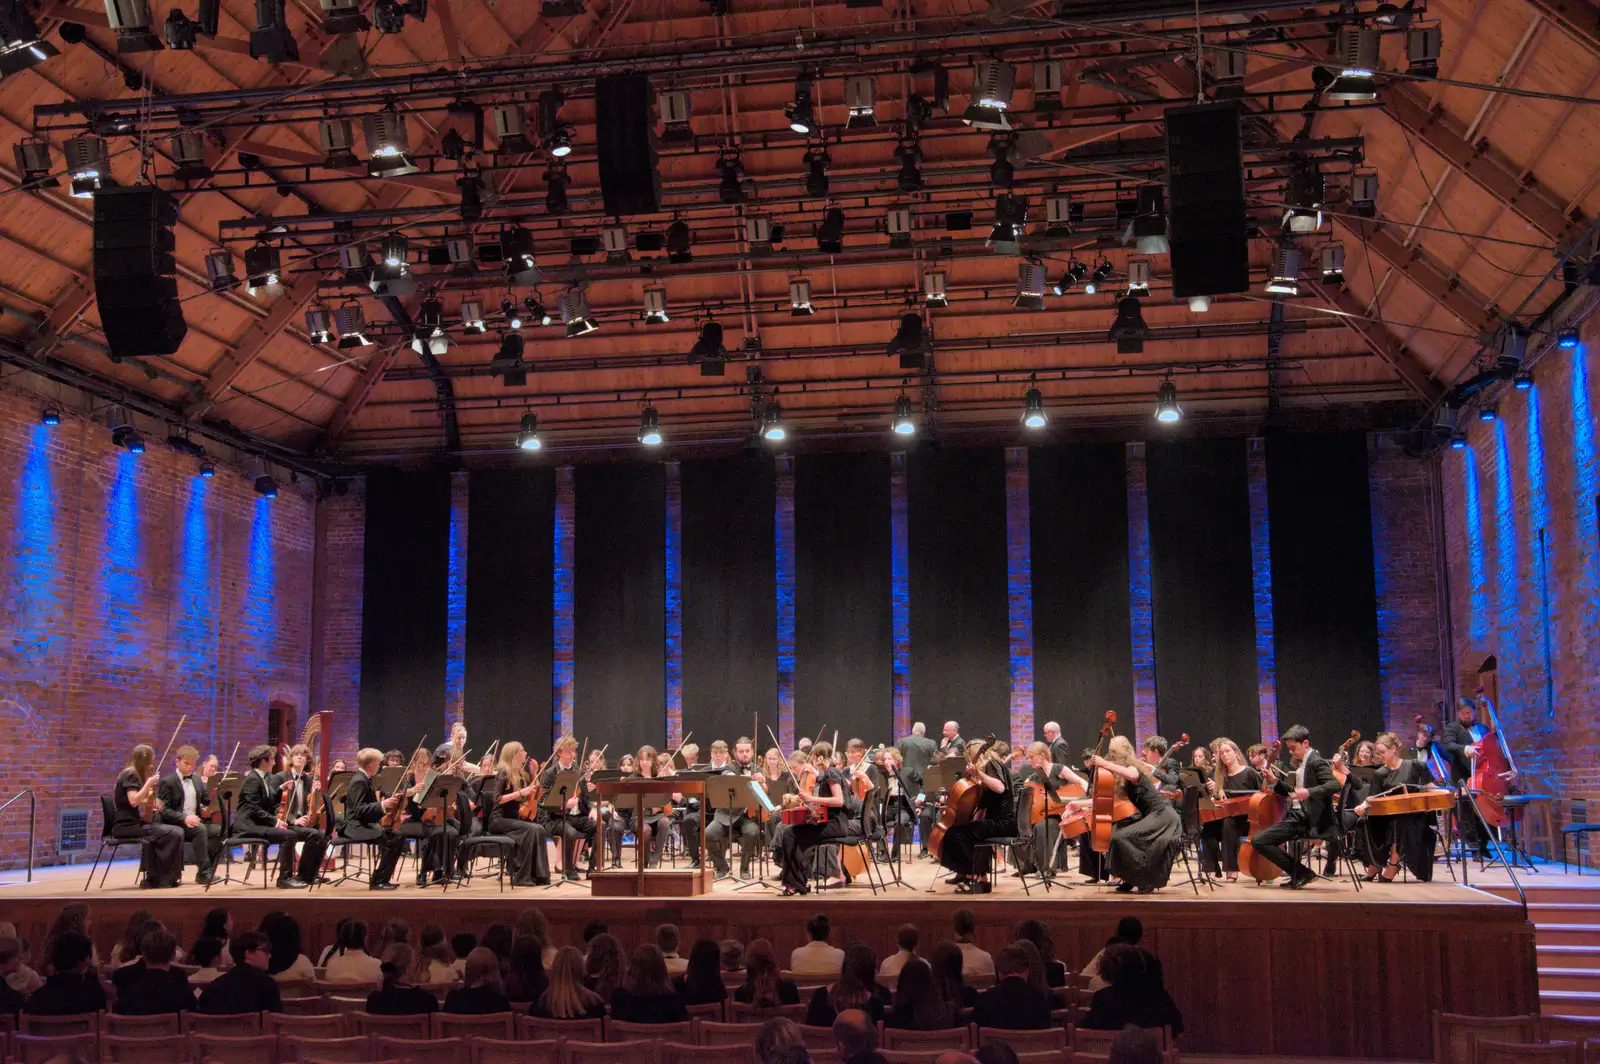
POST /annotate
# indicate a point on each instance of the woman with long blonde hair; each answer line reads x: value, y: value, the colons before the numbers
x: 503, y: 795
x: 1219, y: 839
x: 565, y: 997
x: 1143, y: 845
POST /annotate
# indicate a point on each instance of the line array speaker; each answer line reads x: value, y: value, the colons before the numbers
x: 625, y: 134
x: 134, y: 271
x: 1206, y: 223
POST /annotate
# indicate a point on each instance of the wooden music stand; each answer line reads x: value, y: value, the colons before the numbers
x: 644, y: 882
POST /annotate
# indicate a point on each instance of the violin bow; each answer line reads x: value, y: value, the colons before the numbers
x: 792, y: 777
x: 168, y: 750
x: 230, y: 760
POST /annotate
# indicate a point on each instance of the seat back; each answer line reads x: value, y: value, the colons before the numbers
x: 307, y: 1006
x: 1454, y: 1034
x: 678, y: 1053
x: 1084, y: 1040
x: 1493, y: 1051
x: 332, y: 1025
x: 1037, y: 1057
x: 294, y: 1047
x: 298, y: 988
x: 953, y: 1038
x: 1050, y: 1039
x: 232, y: 1024
x: 420, y: 1050
x: 502, y: 1051
x: 234, y: 1049
x: 166, y: 1023
x: 108, y: 813
x: 610, y: 1052
x: 816, y: 1038
x: 141, y: 1049
x: 912, y: 1056
x: 740, y: 1012
x: 622, y: 1031
x: 711, y: 1011
x: 532, y: 1027
x: 346, y: 1005
x: 345, y: 989
x: 489, y: 1025
x: 731, y: 1034
x: 374, y: 1026
x: 1569, y: 1028
x: 38, y: 1048
x: 56, y: 1026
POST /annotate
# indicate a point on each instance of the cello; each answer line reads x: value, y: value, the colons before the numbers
x: 960, y: 805
x: 1103, y: 792
x: 1265, y: 809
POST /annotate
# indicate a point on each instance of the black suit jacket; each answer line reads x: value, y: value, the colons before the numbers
x: 242, y: 988
x: 362, y: 810
x: 258, y: 804
x: 153, y: 992
x: 916, y: 754
x: 1456, y: 740
x: 170, y: 791
x: 1061, y: 753
x: 1013, y: 1004
x: 1321, y: 785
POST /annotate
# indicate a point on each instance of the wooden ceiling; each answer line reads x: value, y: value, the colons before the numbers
x: 1483, y: 173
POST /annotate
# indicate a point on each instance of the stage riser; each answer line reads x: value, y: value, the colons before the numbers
x: 1269, y: 977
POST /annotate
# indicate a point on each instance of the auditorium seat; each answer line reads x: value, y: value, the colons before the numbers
x: 1569, y: 1028
x: 39, y: 1048
x: 610, y: 1052
x: 678, y: 1053
x: 332, y: 1025
x: 1084, y: 1040
x: 711, y: 1011
x: 344, y: 1004
x: 501, y: 1051
x: 316, y: 1005
x: 1454, y: 1034
x: 141, y: 1049
x: 238, y: 1023
x: 166, y: 1023
x: 622, y: 1031
x: 1050, y: 1056
x: 489, y: 1025
x: 739, y: 1012
x: 338, y: 1050
x: 911, y: 1041
x: 728, y: 1034
x: 912, y: 1056
x: 420, y: 1050
x: 51, y: 1026
x: 343, y: 989
x: 1052, y: 1039
x: 234, y: 1049
x: 819, y: 1038
x: 298, y: 988
x: 1491, y: 1051
x: 373, y: 1025
x: 532, y: 1027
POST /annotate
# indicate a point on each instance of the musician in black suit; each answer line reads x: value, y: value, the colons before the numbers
x: 1461, y: 752
x: 1059, y: 752
x: 1310, y: 787
x: 296, y: 781
x: 363, y: 815
x: 726, y: 824
x: 917, y: 752
x: 183, y: 795
x: 257, y: 816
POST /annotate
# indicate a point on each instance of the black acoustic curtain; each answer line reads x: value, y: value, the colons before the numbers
x: 1082, y: 640
x: 960, y: 614
x: 1324, y: 600
x: 510, y: 615
x: 404, y: 608
x: 844, y: 619
x: 1202, y: 594
x: 730, y: 628
x: 619, y: 607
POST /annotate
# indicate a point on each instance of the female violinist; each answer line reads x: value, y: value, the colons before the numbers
x: 1388, y: 842
x: 898, y: 813
x: 1041, y: 797
x: 1142, y: 846
x: 648, y: 764
x: 502, y: 798
x: 1232, y: 777
x: 824, y: 793
x: 996, y: 816
x: 136, y: 804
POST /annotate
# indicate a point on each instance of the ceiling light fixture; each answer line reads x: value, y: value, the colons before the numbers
x: 575, y: 314
x: 1071, y: 277
x: 800, y: 298
x: 1030, y: 286
x: 933, y: 289
x: 903, y: 423
x: 993, y: 82
x: 1129, y: 330
x: 655, y: 306
x: 772, y: 428
x: 1148, y: 230
x: 528, y: 433
x: 861, y: 97
x: 1285, y: 271
x: 1033, y: 415
x: 88, y: 165
x: 351, y: 321
x: 388, y: 145
x: 1167, y: 409
x: 1356, y: 50
x: 801, y: 115
x: 1097, y: 279
x: 650, y: 427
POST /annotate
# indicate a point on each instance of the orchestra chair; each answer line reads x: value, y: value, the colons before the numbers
x: 167, y: 1023
x: 678, y: 1053
x: 961, y: 1038
x: 307, y: 1006
x: 255, y: 848
x: 138, y: 1049
x: 108, y: 815
x: 1490, y: 1051
x: 489, y: 1025
x: 1577, y: 829
x: 328, y: 1025
x: 502, y: 1051
x: 237, y: 1023
x: 371, y: 1025
x: 234, y: 1049
x: 711, y: 1012
x: 497, y: 848
x: 533, y: 1028
x: 740, y: 1012
x: 729, y: 1034
x: 1454, y: 1034
x: 622, y: 1031
x: 55, y: 1026
x: 420, y: 1050
x: 611, y: 1052
x: 1000, y: 847
x: 39, y: 1048
x: 1052, y: 1039
x: 332, y: 1050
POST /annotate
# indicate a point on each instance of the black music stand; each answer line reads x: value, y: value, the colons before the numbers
x: 226, y: 796
x: 554, y: 802
x: 895, y: 855
x: 442, y: 794
x: 387, y: 780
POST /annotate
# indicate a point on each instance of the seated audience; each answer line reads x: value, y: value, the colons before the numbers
x: 1134, y: 993
x: 1135, y: 1045
x: 498, y: 938
x: 461, y: 944
x: 1129, y: 930
x: 218, y: 924
x: 906, y: 937
x: 857, y: 1036
x: 667, y: 942
x: 435, y: 961
x: 10, y: 960
x: 21, y: 978
x: 339, y: 926
x: 246, y: 987
x: 71, y: 987
x: 1013, y: 1003
x: 1035, y: 973
x: 975, y: 963
x: 1038, y: 933
x: 482, y: 994
x: 647, y: 995
x: 856, y: 988
x: 602, y: 967
x: 732, y: 955
x: 591, y: 931
x: 525, y: 979
x: 995, y: 1051
x: 917, y: 1004
x: 948, y: 963
x: 126, y: 951
x: 565, y: 997
x: 207, y: 954
x: 288, y: 964
x: 397, y: 996
x: 350, y: 962
x: 816, y: 957
x: 764, y: 985
x: 154, y: 986
x: 789, y: 1055
x: 701, y: 982
x: 776, y: 1035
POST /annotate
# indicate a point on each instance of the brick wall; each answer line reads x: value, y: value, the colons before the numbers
x: 134, y: 592
x: 344, y: 538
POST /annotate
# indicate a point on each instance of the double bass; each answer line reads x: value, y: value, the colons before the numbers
x: 1433, y: 759
x: 961, y: 804
x: 1265, y: 808
x: 1103, y: 792
x: 1492, y: 768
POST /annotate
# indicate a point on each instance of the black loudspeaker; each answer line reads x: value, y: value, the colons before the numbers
x: 135, y: 279
x: 1206, y: 223
x: 625, y: 135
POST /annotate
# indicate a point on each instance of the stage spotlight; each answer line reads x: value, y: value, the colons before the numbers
x: 537, y: 313
x: 678, y: 242
x: 206, y: 468
x: 1148, y: 230
x: 1138, y: 277
x: 338, y: 143
x: 1033, y: 415
x: 1010, y: 215
x: 1487, y: 412
x: 1199, y: 304
x: 1356, y: 49
x: 262, y: 269
x: 1423, y: 47
x: 1522, y: 382
x: 903, y: 424
x: 772, y: 428
x: 1567, y: 339
x: 387, y: 144
x: 49, y: 416
x: 1364, y: 195
x: 351, y: 321
x: 510, y: 127
x: 650, y: 427
x: 1071, y: 277
x: 343, y: 16
x: 123, y: 434
x: 319, y: 325
x: 507, y: 363
x: 933, y: 290
x: 1167, y: 409
x: 557, y: 135
x: 708, y: 345
x: 271, y: 39
x: 675, y: 110
x: 861, y: 97
x: 655, y: 306
x: 992, y: 84
x: 396, y: 249
x: 816, y: 164
x: 509, y: 313
x: 910, y: 341
x: 261, y: 477
x: 130, y: 19
x: 1333, y: 264
x: 219, y: 269
x: 1062, y: 216
x: 472, y: 317
x: 1458, y: 441
x: 910, y: 177
x: 575, y: 314
x: 33, y: 162
x: 87, y: 164
x: 21, y: 46
x: 528, y: 433
x: 1285, y: 272
x: 758, y: 232
x: 1129, y: 329
x: 897, y: 223
x: 389, y: 16
x: 802, y: 118
x: 1097, y: 279
x: 1002, y: 174
x: 1304, y: 197
x: 800, y: 298
x: 1030, y: 286
x: 730, y: 189
x: 830, y: 234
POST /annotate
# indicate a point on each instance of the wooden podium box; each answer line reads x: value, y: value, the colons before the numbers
x: 645, y: 882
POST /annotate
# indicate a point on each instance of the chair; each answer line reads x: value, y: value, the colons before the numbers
x: 306, y: 1006
x: 167, y: 1023
x: 438, y: 990
x: 1051, y: 1038
x: 137, y: 1049
x: 490, y: 1025
x: 911, y: 1056
x: 739, y: 1012
x: 711, y: 1011
x: 1454, y: 1034
x: 534, y: 1028
x: 678, y: 1053
x: 816, y: 1038
x: 622, y: 1031
x: 56, y: 1026
x: 299, y: 988
x: 1052, y: 1057
x: 1577, y: 829
x: 235, y: 1049
x: 108, y: 814
x: 1098, y: 1043
x: 909, y: 1041
x: 610, y: 1052
x: 287, y: 1023
x: 335, y: 1050
x: 1569, y: 1028
x: 497, y: 847
x: 420, y: 1050
x: 501, y: 1051
x: 731, y: 1034
x: 1490, y: 1051
x: 323, y: 986
x: 375, y: 1026
x: 255, y: 847
x: 38, y: 1048
x: 239, y: 1023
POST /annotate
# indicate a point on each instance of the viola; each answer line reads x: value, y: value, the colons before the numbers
x: 1264, y: 808
x: 529, y: 808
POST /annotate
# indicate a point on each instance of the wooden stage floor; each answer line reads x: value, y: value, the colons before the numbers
x: 1257, y: 970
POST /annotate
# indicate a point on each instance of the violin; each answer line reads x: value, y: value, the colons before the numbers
x: 528, y: 809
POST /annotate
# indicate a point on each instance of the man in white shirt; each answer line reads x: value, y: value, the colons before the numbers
x: 817, y: 957
x: 975, y: 963
x: 906, y: 938
x: 667, y: 943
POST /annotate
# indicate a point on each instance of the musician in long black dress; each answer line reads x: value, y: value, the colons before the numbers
x: 997, y: 816
x: 1219, y: 839
x: 163, y: 842
x: 1053, y: 775
x: 1388, y: 842
x: 502, y: 798
x: 797, y: 844
x: 1142, y: 846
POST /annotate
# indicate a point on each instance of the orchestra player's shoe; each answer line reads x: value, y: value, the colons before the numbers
x: 1299, y: 880
x: 1124, y: 888
x: 383, y: 886
x: 293, y: 883
x: 571, y: 875
x: 205, y: 879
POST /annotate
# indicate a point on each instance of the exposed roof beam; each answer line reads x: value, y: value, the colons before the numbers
x: 358, y: 395
x: 1578, y: 18
x: 1379, y: 340
x: 255, y: 340
x: 1424, y: 271
x: 69, y: 307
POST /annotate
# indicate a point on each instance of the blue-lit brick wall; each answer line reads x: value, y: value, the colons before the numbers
x: 1019, y: 596
x: 1261, y: 585
x: 133, y: 593
x: 1406, y: 558
x: 783, y: 565
x: 565, y: 587
x: 1140, y: 620
x: 900, y: 591
x: 674, y: 619
x: 455, y: 662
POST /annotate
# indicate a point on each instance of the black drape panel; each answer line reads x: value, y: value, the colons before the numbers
x: 404, y: 612
x: 1324, y: 602
x: 1082, y: 640
x: 730, y: 626
x: 1202, y: 594
x: 843, y: 614
x: 960, y: 615
x: 619, y: 607
x: 510, y: 617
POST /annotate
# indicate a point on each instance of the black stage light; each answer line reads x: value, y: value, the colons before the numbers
x: 830, y: 234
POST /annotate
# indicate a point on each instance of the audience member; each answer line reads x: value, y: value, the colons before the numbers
x: 816, y: 957
x: 531, y: 921
x: 1038, y: 932
x: 1129, y: 930
x: 856, y: 1036
x: 395, y: 933
x: 350, y: 962
x: 498, y: 939
x: 764, y: 985
x: 975, y: 963
x: 435, y: 960
x: 339, y: 927
x: 906, y: 937
x: 288, y: 964
x: 667, y: 942
x: 647, y: 995
x: 1135, y: 1045
x: 1012, y: 1003
x: 246, y: 987
x: 917, y: 1004
x: 1134, y: 993
x: 461, y: 944
x: 207, y: 954
x: 732, y: 955
x: 525, y: 979
x: 1035, y: 974
x: 775, y: 1035
x: 701, y: 982
x: 74, y: 916
x: 593, y: 930
x: 155, y: 987
x: 21, y: 978
x: 565, y: 997
x: 482, y: 994
x: 218, y: 924
x: 995, y: 1051
x: 126, y: 951
x: 602, y: 967
x: 71, y: 987
x: 10, y: 960
x: 948, y: 963
x: 397, y: 996
x: 856, y: 988
x: 789, y: 1055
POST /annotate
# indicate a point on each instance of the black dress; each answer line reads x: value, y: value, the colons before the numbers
x: 998, y: 820
x: 1411, y: 834
x: 163, y: 843
x: 1142, y: 847
x: 530, y: 861
x: 1219, y: 839
x: 797, y: 844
